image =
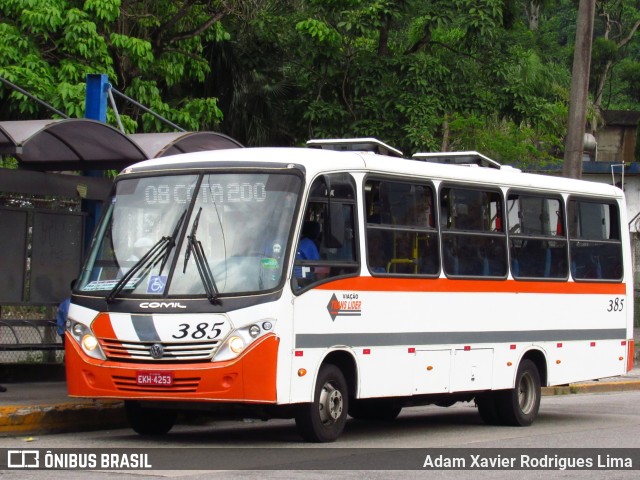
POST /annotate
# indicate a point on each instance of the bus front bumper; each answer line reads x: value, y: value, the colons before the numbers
x: 250, y: 378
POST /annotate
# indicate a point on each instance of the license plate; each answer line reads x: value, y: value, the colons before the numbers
x: 161, y: 379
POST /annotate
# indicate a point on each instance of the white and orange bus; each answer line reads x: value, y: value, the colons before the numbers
x: 314, y: 284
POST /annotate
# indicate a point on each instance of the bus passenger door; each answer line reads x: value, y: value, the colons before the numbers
x: 327, y: 310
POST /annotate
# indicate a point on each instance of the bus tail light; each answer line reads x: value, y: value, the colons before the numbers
x: 630, y: 355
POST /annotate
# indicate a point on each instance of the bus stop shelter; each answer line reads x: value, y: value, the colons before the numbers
x: 41, y: 249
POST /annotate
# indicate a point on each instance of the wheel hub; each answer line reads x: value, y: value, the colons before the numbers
x: 331, y: 404
x: 526, y: 394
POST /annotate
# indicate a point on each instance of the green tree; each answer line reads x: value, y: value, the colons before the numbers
x: 616, y: 45
x: 152, y: 51
x: 422, y: 76
x: 441, y: 61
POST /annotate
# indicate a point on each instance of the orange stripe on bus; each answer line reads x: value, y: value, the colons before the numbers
x: 446, y: 285
x: 102, y: 327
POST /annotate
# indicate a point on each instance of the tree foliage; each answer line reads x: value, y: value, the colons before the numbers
x: 491, y: 75
x: 151, y: 50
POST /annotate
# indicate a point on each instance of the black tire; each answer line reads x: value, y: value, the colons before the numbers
x: 487, y: 404
x: 374, y: 409
x: 519, y: 406
x: 323, y: 419
x: 149, y: 421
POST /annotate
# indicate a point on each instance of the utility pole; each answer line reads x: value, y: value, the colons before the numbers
x: 574, y: 143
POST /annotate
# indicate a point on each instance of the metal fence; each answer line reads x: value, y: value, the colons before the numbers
x: 40, y: 252
x: 28, y: 335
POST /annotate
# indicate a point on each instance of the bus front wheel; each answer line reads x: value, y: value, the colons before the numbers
x: 519, y: 406
x: 149, y: 421
x: 323, y: 419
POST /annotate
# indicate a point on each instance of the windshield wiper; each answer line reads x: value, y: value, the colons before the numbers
x: 160, y: 250
x: 172, y: 241
x: 194, y: 245
x: 148, y: 260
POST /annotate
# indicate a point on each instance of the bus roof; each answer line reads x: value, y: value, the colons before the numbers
x: 317, y: 161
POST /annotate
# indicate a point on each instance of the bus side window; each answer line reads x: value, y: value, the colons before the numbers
x: 401, y: 234
x: 327, y: 245
x: 595, y: 247
x: 473, y: 240
x: 537, y: 242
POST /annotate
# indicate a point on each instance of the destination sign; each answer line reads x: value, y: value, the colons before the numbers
x: 234, y: 192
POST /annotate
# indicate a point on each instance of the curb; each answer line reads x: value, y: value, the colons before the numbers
x: 64, y: 417
x: 592, y: 387
x: 109, y: 414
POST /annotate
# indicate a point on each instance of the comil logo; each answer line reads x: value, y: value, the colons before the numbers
x: 162, y: 305
x: 23, y: 459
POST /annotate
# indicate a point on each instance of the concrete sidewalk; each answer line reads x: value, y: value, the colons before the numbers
x: 40, y: 407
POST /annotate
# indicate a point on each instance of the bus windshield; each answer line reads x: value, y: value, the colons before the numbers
x: 193, y: 235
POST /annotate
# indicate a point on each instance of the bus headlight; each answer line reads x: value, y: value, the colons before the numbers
x: 236, y: 345
x: 89, y: 342
x: 85, y: 338
x: 240, y: 339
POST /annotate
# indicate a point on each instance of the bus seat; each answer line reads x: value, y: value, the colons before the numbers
x: 547, y: 263
x: 598, y: 266
x: 586, y: 265
x: 451, y: 261
x: 515, y: 266
x: 486, y: 270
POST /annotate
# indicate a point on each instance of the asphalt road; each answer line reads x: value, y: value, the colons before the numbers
x: 595, y: 422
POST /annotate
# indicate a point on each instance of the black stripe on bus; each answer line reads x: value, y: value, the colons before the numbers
x: 145, y: 329
x: 326, y: 340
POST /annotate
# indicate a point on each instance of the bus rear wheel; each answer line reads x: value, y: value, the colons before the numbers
x: 487, y: 404
x: 519, y: 406
x: 323, y: 419
x: 149, y: 421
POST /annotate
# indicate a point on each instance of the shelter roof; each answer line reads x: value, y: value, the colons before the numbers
x: 83, y: 144
x: 164, y: 144
x: 70, y: 144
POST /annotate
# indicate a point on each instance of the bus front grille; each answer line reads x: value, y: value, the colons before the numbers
x: 153, y: 352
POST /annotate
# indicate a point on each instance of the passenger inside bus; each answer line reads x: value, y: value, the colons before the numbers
x: 308, y: 247
x: 308, y: 250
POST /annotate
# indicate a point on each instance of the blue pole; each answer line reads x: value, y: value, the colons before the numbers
x: 96, y: 97
x: 95, y: 109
